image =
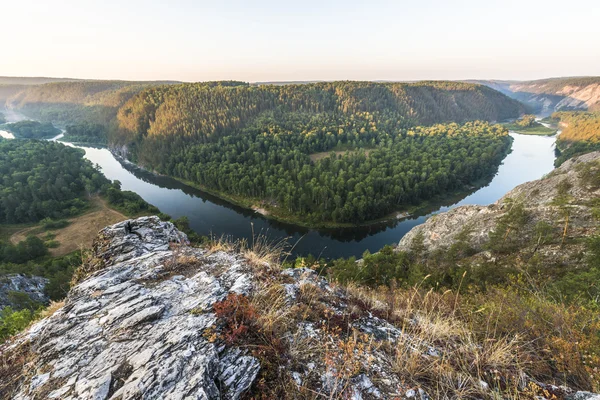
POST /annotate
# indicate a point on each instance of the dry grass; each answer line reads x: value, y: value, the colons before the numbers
x: 80, y: 232
x: 438, y: 349
x: 53, y: 307
x: 13, y: 369
x: 260, y: 251
x: 319, y: 156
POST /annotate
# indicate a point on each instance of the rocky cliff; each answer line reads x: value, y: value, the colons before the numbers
x: 30, y: 286
x: 549, y: 95
x: 543, y: 218
x: 142, y: 324
x: 150, y: 317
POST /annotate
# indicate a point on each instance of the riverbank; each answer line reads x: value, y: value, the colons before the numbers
x: 212, y: 216
x: 275, y: 213
x: 537, y: 129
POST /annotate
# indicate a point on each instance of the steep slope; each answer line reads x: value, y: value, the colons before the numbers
x: 543, y: 220
x: 556, y: 94
x: 151, y: 317
x: 205, y: 111
x: 72, y: 101
x: 258, y: 146
x: 580, y: 134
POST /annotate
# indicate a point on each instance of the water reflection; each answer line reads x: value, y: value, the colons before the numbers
x: 531, y: 158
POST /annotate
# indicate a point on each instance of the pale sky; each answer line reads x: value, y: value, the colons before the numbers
x: 276, y: 40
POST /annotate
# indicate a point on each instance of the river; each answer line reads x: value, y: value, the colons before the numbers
x: 531, y: 158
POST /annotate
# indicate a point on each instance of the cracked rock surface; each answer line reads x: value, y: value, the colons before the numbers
x: 134, y: 328
x: 32, y: 286
x: 141, y: 324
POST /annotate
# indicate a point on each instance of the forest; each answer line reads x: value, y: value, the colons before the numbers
x: 46, y: 182
x: 32, y: 130
x: 86, y: 132
x: 41, y: 179
x: 259, y: 143
x: 399, y: 170
x: 73, y: 101
x: 527, y: 125
x: 581, y: 134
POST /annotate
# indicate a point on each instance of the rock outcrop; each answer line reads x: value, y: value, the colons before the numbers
x: 129, y: 329
x: 151, y: 317
x: 563, y: 201
x: 550, y: 95
x: 31, y: 286
x: 138, y: 325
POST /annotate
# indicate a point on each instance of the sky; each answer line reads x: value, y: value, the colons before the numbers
x: 279, y: 40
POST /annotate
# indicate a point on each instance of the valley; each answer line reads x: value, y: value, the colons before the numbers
x: 209, y: 215
x: 314, y: 200
x: 453, y: 176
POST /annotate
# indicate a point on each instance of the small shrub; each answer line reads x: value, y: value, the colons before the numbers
x: 52, y: 244
x: 237, y: 316
x: 12, y: 322
x: 48, y: 224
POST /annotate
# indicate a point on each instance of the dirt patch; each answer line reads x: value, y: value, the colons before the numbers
x: 80, y: 232
x: 319, y: 156
x: 260, y: 210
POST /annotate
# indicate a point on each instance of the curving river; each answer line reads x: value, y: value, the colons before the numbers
x: 531, y: 158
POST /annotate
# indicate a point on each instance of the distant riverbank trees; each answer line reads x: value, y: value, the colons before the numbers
x: 86, y: 132
x: 42, y: 179
x: 526, y: 121
x: 254, y: 143
x: 32, y: 130
x: 581, y: 134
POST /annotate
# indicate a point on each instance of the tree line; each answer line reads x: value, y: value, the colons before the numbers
x: 41, y: 179
x: 399, y: 170
x: 580, y: 134
x: 32, y: 130
x: 86, y: 132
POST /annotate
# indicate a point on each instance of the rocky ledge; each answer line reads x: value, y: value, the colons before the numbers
x: 31, y: 286
x: 151, y: 317
x: 563, y: 203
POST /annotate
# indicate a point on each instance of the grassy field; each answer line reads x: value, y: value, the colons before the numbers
x: 536, y: 129
x: 80, y: 232
x: 319, y: 156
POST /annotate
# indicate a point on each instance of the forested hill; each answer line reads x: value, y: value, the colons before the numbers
x: 555, y: 94
x: 580, y: 134
x: 206, y: 111
x: 342, y: 152
x: 72, y: 101
x: 25, y: 80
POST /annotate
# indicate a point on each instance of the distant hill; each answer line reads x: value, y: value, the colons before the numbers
x: 213, y: 108
x: 24, y: 80
x: 73, y: 101
x: 554, y: 94
x: 9, y: 90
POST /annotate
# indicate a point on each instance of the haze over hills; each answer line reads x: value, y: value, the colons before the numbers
x: 68, y: 101
x: 235, y: 200
x: 554, y: 94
